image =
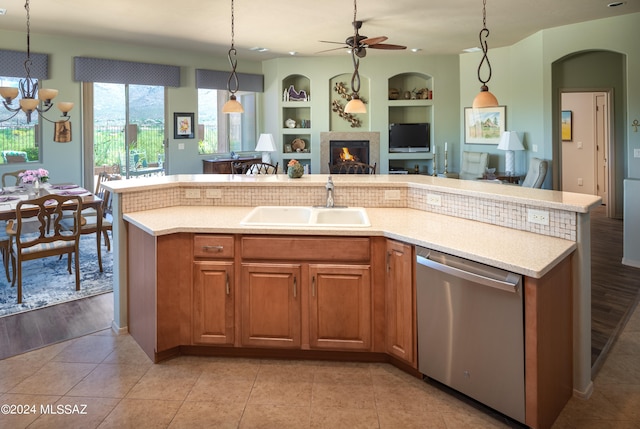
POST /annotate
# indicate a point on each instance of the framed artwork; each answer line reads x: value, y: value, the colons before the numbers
x: 567, y: 126
x: 183, y: 126
x: 484, y: 125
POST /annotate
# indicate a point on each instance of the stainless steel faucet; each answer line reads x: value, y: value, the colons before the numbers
x: 330, y: 187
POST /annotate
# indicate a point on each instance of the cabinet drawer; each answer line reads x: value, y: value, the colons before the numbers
x: 346, y: 249
x: 213, y: 246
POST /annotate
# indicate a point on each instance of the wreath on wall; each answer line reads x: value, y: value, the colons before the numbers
x: 342, y: 89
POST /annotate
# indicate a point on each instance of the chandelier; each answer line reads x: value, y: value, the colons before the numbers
x: 30, y: 96
x: 484, y: 98
x: 233, y: 105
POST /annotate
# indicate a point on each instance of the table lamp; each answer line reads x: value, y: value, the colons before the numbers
x: 510, y: 142
x: 265, y: 145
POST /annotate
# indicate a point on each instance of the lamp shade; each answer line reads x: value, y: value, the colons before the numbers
x: 265, y: 145
x: 510, y: 141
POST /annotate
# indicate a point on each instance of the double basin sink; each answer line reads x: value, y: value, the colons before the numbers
x: 307, y: 216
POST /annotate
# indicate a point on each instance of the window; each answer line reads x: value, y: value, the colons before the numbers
x: 222, y: 133
x: 16, y: 135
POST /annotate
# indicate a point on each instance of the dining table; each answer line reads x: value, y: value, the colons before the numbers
x: 10, y: 196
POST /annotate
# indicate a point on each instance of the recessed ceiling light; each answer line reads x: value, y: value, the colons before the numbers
x: 3, y: 11
x: 259, y: 49
x: 474, y: 49
x: 293, y: 53
x: 616, y: 3
x: 415, y: 50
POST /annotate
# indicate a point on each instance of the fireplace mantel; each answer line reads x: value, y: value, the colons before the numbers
x: 326, y: 137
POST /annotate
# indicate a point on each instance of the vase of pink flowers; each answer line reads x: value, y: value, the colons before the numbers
x: 30, y: 177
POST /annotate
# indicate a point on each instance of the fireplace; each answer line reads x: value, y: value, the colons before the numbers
x: 341, y: 151
x: 362, y: 146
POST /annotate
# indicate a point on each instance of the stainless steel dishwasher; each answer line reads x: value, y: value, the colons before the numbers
x: 471, y: 329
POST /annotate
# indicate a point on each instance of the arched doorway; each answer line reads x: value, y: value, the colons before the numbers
x: 593, y: 72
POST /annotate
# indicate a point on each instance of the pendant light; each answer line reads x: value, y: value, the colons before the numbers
x: 29, y: 90
x: 233, y: 105
x: 355, y: 105
x: 484, y: 98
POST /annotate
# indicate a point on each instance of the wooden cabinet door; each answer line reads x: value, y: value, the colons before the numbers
x: 340, y: 307
x: 400, y: 302
x: 213, y: 302
x: 271, y: 305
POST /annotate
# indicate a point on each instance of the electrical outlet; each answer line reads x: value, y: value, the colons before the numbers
x: 434, y: 200
x: 534, y: 148
x: 392, y: 195
x: 213, y: 193
x: 192, y: 193
x: 580, y: 181
x: 541, y: 217
x: 636, y: 153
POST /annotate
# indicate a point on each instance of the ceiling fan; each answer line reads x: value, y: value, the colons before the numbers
x: 358, y: 43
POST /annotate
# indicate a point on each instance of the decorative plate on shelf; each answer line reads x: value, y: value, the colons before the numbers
x: 298, y: 144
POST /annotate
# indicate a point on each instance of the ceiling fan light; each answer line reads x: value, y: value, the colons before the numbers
x: 355, y: 105
x: 485, y: 99
x: 232, y: 106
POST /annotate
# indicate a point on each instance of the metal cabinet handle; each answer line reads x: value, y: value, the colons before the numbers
x: 213, y: 248
x: 227, y: 285
x: 295, y: 287
x: 313, y: 286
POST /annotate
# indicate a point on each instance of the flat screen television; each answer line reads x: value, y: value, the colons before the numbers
x: 409, y: 137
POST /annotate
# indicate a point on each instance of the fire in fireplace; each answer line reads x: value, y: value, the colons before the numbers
x: 341, y: 151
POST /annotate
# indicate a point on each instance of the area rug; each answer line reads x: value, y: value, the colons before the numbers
x: 47, y: 282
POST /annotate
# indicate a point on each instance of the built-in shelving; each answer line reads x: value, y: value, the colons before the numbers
x: 411, y: 105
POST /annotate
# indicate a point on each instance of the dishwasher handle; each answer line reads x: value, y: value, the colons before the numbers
x: 510, y: 284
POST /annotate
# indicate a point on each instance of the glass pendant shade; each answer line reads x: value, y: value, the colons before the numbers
x: 485, y: 99
x: 8, y: 93
x: 46, y: 94
x: 355, y: 105
x: 65, y: 107
x: 28, y: 104
x: 232, y: 106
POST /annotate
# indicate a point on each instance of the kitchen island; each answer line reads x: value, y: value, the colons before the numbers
x: 161, y: 219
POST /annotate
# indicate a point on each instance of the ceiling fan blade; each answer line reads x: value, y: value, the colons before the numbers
x: 387, y: 46
x: 333, y: 49
x: 373, y: 40
x: 327, y: 41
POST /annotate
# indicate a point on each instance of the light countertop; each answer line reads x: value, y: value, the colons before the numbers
x: 569, y: 201
x: 522, y: 252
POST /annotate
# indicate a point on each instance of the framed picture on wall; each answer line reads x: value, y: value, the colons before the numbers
x: 484, y: 125
x: 567, y: 126
x: 183, y: 126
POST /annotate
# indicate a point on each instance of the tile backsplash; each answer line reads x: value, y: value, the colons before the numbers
x: 562, y: 224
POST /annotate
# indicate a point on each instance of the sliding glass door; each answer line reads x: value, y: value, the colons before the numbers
x: 129, y: 129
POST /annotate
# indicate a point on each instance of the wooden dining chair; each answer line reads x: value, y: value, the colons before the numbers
x: 89, y: 224
x: 51, y: 239
x: 14, y: 181
x: 352, y: 167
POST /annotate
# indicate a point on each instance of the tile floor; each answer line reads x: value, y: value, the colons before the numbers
x: 108, y: 382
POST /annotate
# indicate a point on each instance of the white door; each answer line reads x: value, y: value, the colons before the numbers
x: 602, y: 146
